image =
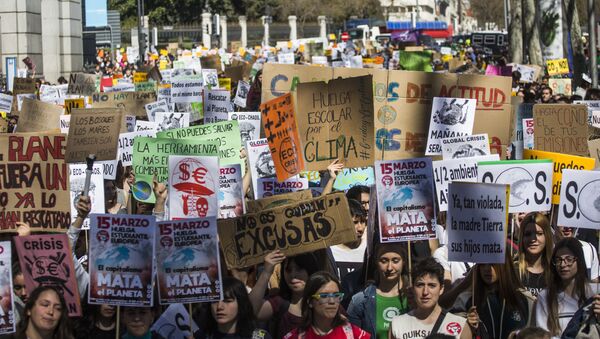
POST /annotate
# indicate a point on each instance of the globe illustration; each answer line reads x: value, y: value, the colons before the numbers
x: 188, y: 257
x: 520, y: 182
x: 122, y: 256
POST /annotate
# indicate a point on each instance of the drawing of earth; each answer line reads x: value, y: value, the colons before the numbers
x: 589, y: 201
x: 122, y: 256
x: 520, y: 181
x: 189, y: 257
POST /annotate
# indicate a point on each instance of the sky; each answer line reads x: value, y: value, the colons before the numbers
x: 95, y: 12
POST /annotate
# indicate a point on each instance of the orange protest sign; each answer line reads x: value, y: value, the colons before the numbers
x: 281, y: 130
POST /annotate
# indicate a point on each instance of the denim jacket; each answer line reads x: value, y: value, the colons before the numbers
x: 361, y: 311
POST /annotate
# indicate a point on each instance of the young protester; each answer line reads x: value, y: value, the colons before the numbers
x: 321, y: 314
x: 361, y: 194
x: 428, y: 317
x: 373, y: 308
x: 45, y: 316
x: 137, y: 322
x: 99, y: 322
x: 568, y: 289
x: 535, y: 252
x: 233, y: 317
x: 333, y: 170
x: 349, y: 257
x: 589, y: 252
x: 501, y: 303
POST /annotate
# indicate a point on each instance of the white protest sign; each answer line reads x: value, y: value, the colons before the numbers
x: 5, y: 102
x: 109, y: 169
x: 579, y: 199
x: 126, y: 145
x: 65, y: 121
x: 356, y: 61
x: 528, y: 128
x: 210, y: 78
x: 186, y: 91
x: 141, y: 125
x: 182, y: 73
x: 450, y: 117
x: 193, y: 186
x: 270, y: 186
x: 130, y: 122
x: 285, y: 58
x: 217, y: 103
x: 260, y: 161
x: 530, y: 182
x: 466, y: 146
x: 476, y: 222
x: 447, y: 171
x: 592, y: 105
x: 154, y: 107
x: 174, y: 323
x: 319, y: 60
x: 231, y: 197
x: 249, y: 123
x: 49, y: 94
x: 121, y: 87
x: 527, y: 73
x: 241, y: 93
x: 595, y: 121
x: 170, y: 120
x: 164, y: 94
x: 96, y: 192
x: 446, y: 50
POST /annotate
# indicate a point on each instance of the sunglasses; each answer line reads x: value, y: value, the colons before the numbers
x: 323, y: 298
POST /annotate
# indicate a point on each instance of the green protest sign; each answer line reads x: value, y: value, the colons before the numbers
x: 147, y: 86
x: 416, y: 61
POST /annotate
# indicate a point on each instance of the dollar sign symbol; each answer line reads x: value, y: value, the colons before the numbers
x: 40, y: 267
x: 184, y: 175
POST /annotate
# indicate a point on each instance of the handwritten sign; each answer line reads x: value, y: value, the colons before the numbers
x: 94, y: 133
x: 561, y: 86
x: 477, y: 222
x: 73, y: 103
x: 561, y: 128
x: 131, y: 102
x: 82, y: 84
x: 23, y: 86
x: 279, y: 123
x: 37, y: 116
x: 557, y: 66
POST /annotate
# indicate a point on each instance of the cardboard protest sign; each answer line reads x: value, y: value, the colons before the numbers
x: 37, y: 116
x: 462, y: 169
x: 350, y: 177
x: 530, y: 182
x: 231, y: 195
x: 188, y: 253
x: 96, y: 191
x: 450, y: 117
x: 82, y: 84
x: 270, y: 186
x: 35, y: 184
x: 155, y: 107
x: 241, y: 94
x: 170, y: 120
x: 23, y: 86
x: 249, y: 123
x: 477, y: 222
x: 93, y: 133
x: 6, y: 102
x: 580, y: 199
x: 227, y: 133
x: 465, y: 146
x: 131, y: 102
x: 70, y: 104
x: 561, y: 128
x: 301, y: 227
x: 594, y: 146
x: 121, y: 259
x: 286, y: 58
x: 174, y: 323
x: 561, y: 162
x: 193, y: 186
x: 335, y: 121
x: 557, y: 66
x: 217, y: 104
x: 560, y: 86
x: 126, y: 145
x: 405, y: 199
x: 281, y: 131
x: 258, y: 205
x: 7, y: 311
x: 47, y: 260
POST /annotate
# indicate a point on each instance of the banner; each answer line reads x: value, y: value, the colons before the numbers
x: 281, y: 131
x: 465, y: 146
x: 35, y: 182
x: 188, y: 253
x: 96, y: 192
x: 95, y: 132
x: 121, y: 260
x: 580, y: 199
x: 133, y: 103
x: 450, y: 117
x: 231, y: 195
x: 47, y: 260
x: 270, y: 186
x: 561, y: 128
x: 462, y: 169
x: 335, y: 121
x: 530, y: 182
x: 249, y: 123
x: 557, y: 67
x: 7, y: 310
x: 155, y: 107
x: 73, y: 103
x: 405, y: 199
x: 301, y: 227
x: 193, y: 186
x: 174, y: 323
x: 477, y: 222
x: 350, y: 177
x: 169, y: 120
x: 561, y: 162
x: 37, y: 116
x: 217, y: 105
x: 82, y: 84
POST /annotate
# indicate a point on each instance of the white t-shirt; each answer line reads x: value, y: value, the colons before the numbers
x: 457, y: 269
x: 408, y: 326
x: 348, y: 259
x: 591, y: 259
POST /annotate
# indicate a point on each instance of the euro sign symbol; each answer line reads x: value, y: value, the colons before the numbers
x: 185, y: 174
x: 199, y: 174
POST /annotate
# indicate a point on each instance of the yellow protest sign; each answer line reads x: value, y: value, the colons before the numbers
x: 140, y: 77
x: 225, y: 83
x: 162, y: 65
x: 561, y: 162
x: 164, y: 52
x: 73, y: 103
x: 557, y: 66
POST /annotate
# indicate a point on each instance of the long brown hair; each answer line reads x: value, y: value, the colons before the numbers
x: 63, y: 329
x: 539, y: 219
x: 314, y: 283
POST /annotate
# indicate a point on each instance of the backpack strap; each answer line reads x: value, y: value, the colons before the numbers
x: 438, y: 322
x: 348, y: 331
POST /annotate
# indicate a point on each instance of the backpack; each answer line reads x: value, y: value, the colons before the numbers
x: 583, y: 325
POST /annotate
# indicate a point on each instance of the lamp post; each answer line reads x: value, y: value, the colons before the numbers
x: 592, y: 43
x: 142, y: 47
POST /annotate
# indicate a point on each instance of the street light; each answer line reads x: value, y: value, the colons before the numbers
x: 142, y: 47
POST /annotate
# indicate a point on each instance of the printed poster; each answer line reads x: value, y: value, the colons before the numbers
x: 6, y: 102
x: 7, y: 307
x: 47, y: 260
x: 450, y: 117
x: 193, y: 187
x: 96, y: 192
x: 231, y: 195
x: 174, y: 323
x: 121, y: 260
x: 170, y: 120
x: 260, y: 161
x: 580, y: 199
x: 155, y: 107
x: 210, y: 78
x: 466, y: 146
x: 405, y: 199
x: 241, y: 94
x: 249, y: 123
x: 188, y: 253
x: 268, y: 187
x: 477, y: 222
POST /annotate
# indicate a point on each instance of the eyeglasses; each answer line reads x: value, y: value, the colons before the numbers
x: 322, y: 298
x: 568, y: 260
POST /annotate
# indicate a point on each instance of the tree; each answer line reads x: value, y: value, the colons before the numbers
x: 516, y: 31
x: 489, y: 11
x: 531, y: 32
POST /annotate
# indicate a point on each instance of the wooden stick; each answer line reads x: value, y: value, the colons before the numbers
x: 118, y: 325
x: 473, y: 286
x: 409, y: 265
x: 191, y: 320
x: 85, y: 234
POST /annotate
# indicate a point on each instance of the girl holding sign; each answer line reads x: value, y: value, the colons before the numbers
x: 535, y: 252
